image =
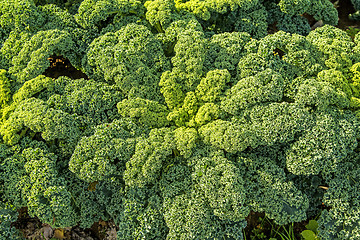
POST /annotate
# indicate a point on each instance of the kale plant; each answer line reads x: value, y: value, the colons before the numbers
x: 192, y: 116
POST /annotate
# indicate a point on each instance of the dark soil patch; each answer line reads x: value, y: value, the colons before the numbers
x: 60, y: 66
x: 254, y: 226
x: 345, y: 8
x: 26, y: 224
x: 32, y: 228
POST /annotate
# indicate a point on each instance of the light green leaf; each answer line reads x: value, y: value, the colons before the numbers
x: 308, y: 235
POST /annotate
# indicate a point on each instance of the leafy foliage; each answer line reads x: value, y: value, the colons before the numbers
x: 192, y: 116
x: 8, y: 214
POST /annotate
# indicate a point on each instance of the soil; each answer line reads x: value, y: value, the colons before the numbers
x: 60, y: 66
x: 345, y: 8
x: 32, y: 228
x: 258, y: 227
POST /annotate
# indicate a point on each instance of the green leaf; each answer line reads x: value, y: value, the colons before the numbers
x: 312, y: 225
x: 308, y: 235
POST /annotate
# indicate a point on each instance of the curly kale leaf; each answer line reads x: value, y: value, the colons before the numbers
x: 105, y: 153
x: 131, y: 58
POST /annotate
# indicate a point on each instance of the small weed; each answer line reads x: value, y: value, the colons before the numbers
x: 351, y: 31
x: 283, y: 232
x: 265, y: 228
x: 311, y: 231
